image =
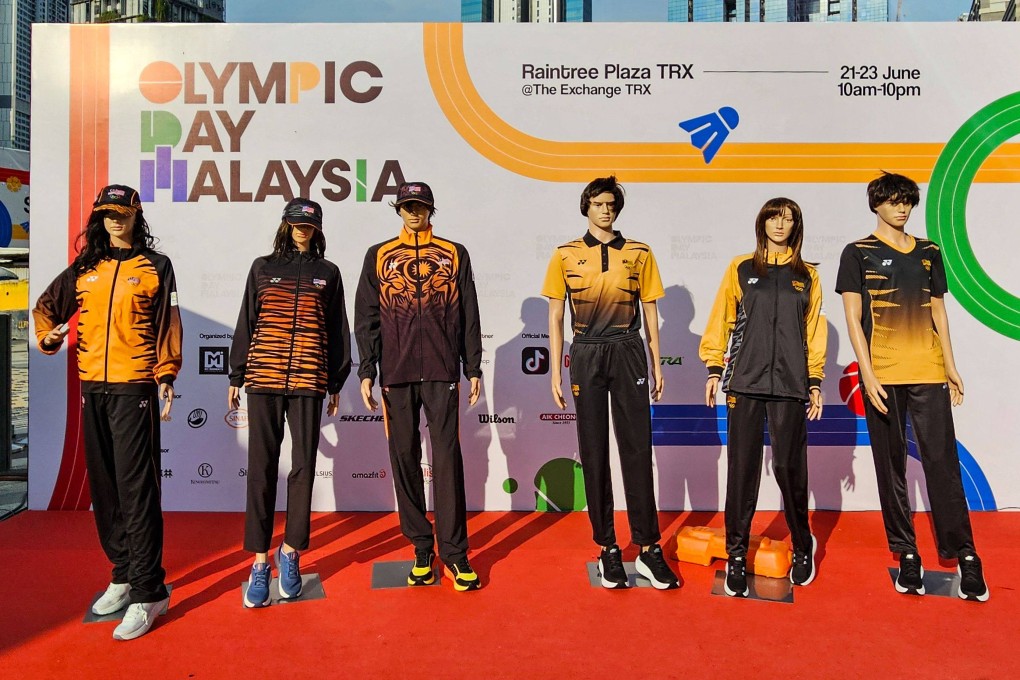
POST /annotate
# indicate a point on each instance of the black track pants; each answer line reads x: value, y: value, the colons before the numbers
x: 931, y: 415
x: 787, y: 423
x: 616, y: 372
x: 266, y: 414
x: 403, y: 404
x: 122, y: 457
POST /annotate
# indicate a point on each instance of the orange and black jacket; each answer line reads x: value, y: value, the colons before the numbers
x: 292, y: 335
x: 416, y: 311
x: 129, y: 328
x: 767, y: 332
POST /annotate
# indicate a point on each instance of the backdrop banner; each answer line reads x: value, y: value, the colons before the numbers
x: 218, y: 126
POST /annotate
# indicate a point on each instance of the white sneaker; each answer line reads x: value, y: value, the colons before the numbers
x: 139, y: 619
x: 116, y: 597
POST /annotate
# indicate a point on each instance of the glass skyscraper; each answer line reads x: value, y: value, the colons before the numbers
x: 777, y: 10
x: 525, y: 11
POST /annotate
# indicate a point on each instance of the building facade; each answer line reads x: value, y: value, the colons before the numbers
x: 777, y: 10
x: 16, y: 19
x: 135, y: 11
x: 525, y: 11
x: 992, y: 10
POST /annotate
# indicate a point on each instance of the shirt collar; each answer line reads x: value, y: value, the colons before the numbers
x: 617, y: 243
x: 407, y: 236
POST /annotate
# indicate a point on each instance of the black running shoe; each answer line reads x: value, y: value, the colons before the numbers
x: 803, y: 570
x: 736, y: 577
x: 651, y: 564
x: 910, y: 579
x: 611, y: 569
x: 422, y: 573
x: 464, y: 577
x: 972, y: 579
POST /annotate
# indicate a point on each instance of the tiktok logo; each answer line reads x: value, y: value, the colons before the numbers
x: 535, y: 360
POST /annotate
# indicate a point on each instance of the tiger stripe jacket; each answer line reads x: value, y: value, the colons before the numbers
x: 416, y: 311
x: 292, y: 335
x: 129, y: 327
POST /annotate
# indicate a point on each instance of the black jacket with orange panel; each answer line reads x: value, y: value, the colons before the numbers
x: 129, y: 328
x: 416, y: 311
x: 292, y: 335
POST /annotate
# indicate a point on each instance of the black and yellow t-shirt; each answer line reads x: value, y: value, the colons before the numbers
x: 896, y: 288
x: 605, y: 283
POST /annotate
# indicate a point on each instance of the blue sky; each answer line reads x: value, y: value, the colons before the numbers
x: 449, y: 10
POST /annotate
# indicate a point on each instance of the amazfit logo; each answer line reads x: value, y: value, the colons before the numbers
x: 381, y: 474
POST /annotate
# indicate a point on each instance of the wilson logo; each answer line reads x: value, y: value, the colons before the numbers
x: 486, y: 418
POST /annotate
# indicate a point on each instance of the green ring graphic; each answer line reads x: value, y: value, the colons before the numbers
x: 951, y: 179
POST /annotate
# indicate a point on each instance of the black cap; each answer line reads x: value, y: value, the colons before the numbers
x: 118, y: 198
x: 303, y: 211
x: 414, y: 191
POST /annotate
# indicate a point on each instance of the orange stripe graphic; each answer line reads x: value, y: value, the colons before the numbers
x: 89, y: 132
x: 678, y: 161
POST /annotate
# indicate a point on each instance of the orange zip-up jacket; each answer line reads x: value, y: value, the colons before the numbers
x: 129, y: 329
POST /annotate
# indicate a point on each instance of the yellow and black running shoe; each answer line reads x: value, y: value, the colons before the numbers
x: 422, y: 573
x: 463, y: 576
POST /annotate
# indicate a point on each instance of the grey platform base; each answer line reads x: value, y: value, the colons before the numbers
x: 311, y: 589
x: 115, y: 616
x: 761, y: 587
x: 634, y: 580
x: 394, y: 575
x: 937, y: 583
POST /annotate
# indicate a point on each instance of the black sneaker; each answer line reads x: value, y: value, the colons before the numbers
x: 803, y: 571
x: 464, y: 577
x: 736, y: 577
x: 910, y: 579
x: 422, y: 573
x: 651, y: 564
x: 611, y: 569
x: 972, y: 580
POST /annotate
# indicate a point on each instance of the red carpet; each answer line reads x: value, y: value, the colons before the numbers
x: 536, y: 617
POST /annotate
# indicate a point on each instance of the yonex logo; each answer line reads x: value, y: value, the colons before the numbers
x: 144, y: 403
x: 92, y: 279
x: 886, y: 263
x: 752, y: 281
x: 640, y: 381
x: 708, y: 132
x: 275, y: 279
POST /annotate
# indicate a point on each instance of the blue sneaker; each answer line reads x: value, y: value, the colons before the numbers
x: 290, y: 573
x: 257, y: 594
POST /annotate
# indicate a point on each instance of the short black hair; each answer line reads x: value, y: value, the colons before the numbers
x: 602, y: 185
x: 892, y: 187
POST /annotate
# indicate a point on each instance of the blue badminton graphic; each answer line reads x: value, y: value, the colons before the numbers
x: 708, y: 132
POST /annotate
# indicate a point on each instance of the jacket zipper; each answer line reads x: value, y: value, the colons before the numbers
x: 109, y: 319
x: 293, y: 327
x: 417, y: 287
x: 775, y: 325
